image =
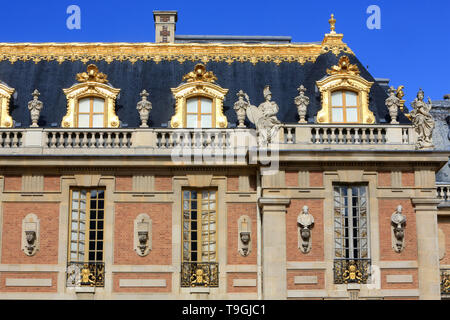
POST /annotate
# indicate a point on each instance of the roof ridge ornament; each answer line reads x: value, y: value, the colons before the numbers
x: 344, y: 67
x: 200, y: 74
x: 332, y: 23
x: 92, y: 75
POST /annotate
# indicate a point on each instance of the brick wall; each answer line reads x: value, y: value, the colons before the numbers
x: 316, y: 179
x: 161, y: 216
x: 384, y: 179
x: 385, y: 209
x: 141, y: 276
x: 52, y: 183
x: 12, y: 183
x: 399, y: 285
x: 233, y: 183
x: 408, y: 179
x: 28, y: 275
x: 13, y: 214
x: 163, y: 183
x: 235, y: 210
x: 293, y: 252
x: 291, y: 178
x: 124, y: 183
x: 444, y: 225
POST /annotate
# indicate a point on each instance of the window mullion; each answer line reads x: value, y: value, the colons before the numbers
x: 350, y: 222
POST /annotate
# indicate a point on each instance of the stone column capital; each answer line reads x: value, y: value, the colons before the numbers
x: 425, y: 203
x: 273, y: 204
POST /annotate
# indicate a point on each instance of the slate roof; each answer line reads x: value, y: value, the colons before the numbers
x: 158, y: 77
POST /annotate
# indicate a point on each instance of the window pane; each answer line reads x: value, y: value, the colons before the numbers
x: 352, y: 114
x: 99, y: 105
x: 206, y: 105
x: 97, y: 121
x: 84, y: 105
x: 337, y: 115
x: 336, y: 98
x: 206, y: 121
x: 83, y: 121
x: 191, y: 121
x: 192, y: 105
x: 350, y: 98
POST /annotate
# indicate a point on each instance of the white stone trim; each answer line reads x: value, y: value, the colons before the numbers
x: 15, y: 282
x: 241, y: 268
x: 305, y: 280
x: 400, y: 293
x: 399, y: 278
x: 244, y: 282
x: 143, y: 268
x: 143, y: 283
x: 306, y: 265
x: 307, y: 294
x: 398, y: 264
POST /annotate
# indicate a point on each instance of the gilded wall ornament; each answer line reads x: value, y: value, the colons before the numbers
x: 344, y: 67
x: 200, y: 74
x: 35, y: 106
x: 302, y: 102
x: 6, y: 92
x: 423, y: 121
x: 264, y: 117
x: 92, y: 85
x: 393, y: 104
x: 398, y: 224
x: 240, y: 107
x: 144, y: 107
x: 305, y: 222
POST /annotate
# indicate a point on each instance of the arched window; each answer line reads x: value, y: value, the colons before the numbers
x: 199, y: 112
x: 199, y: 101
x: 345, y: 95
x: 344, y: 106
x: 91, y: 113
x: 91, y: 102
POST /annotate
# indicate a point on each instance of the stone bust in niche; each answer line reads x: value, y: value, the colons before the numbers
x: 305, y: 222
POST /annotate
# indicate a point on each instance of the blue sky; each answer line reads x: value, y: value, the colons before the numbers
x: 411, y: 48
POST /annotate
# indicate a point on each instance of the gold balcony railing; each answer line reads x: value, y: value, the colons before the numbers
x: 85, y: 274
x: 199, y: 274
x: 445, y: 281
x: 351, y: 271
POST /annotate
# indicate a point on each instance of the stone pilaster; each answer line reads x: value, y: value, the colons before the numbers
x: 427, y: 247
x: 274, y: 247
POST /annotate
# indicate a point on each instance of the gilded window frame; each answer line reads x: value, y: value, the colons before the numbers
x: 6, y: 92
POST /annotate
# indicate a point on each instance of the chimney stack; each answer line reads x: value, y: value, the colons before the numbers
x: 165, y: 26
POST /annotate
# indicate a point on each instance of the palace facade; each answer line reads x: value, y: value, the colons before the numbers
x: 217, y: 167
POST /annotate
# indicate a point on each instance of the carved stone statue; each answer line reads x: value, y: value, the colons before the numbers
x: 245, y: 238
x: 302, y: 103
x: 265, y: 119
x: 30, y: 236
x: 423, y: 121
x: 35, y: 106
x: 305, y: 222
x: 144, y: 107
x: 240, y: 107
x: 398, y: 221
x: 393, y: 104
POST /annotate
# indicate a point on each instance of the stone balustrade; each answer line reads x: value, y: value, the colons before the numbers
x: 443, y: 192
x: 150, y: 141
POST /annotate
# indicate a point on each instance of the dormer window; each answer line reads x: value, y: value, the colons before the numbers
x: 199, y: 102
x: 345, y: 95
x: 344, y: 106
x: 91, y: 102
x: 91, y: 113
x: 5, y: 95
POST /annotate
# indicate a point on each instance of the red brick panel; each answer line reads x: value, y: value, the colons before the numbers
x: 48, y: 215
x: 399, y: 285
x: 291, y: 274
x: 384, y: 179
x: 12, y: 183
x: 52, y: 183
x: 231, y: 276
x: 444, y: 225
x: 124, y: 183
x: 235, y: 211
x: 163, y: 183
x: 408, y: 179
x: 316, y: 179
x: 291, y: 178
x: 161, y: 216
x: 28, y: 275
x: 148, y: 275
x: 293, y: 252
x: 385, y: 209
x: 233, y: 183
